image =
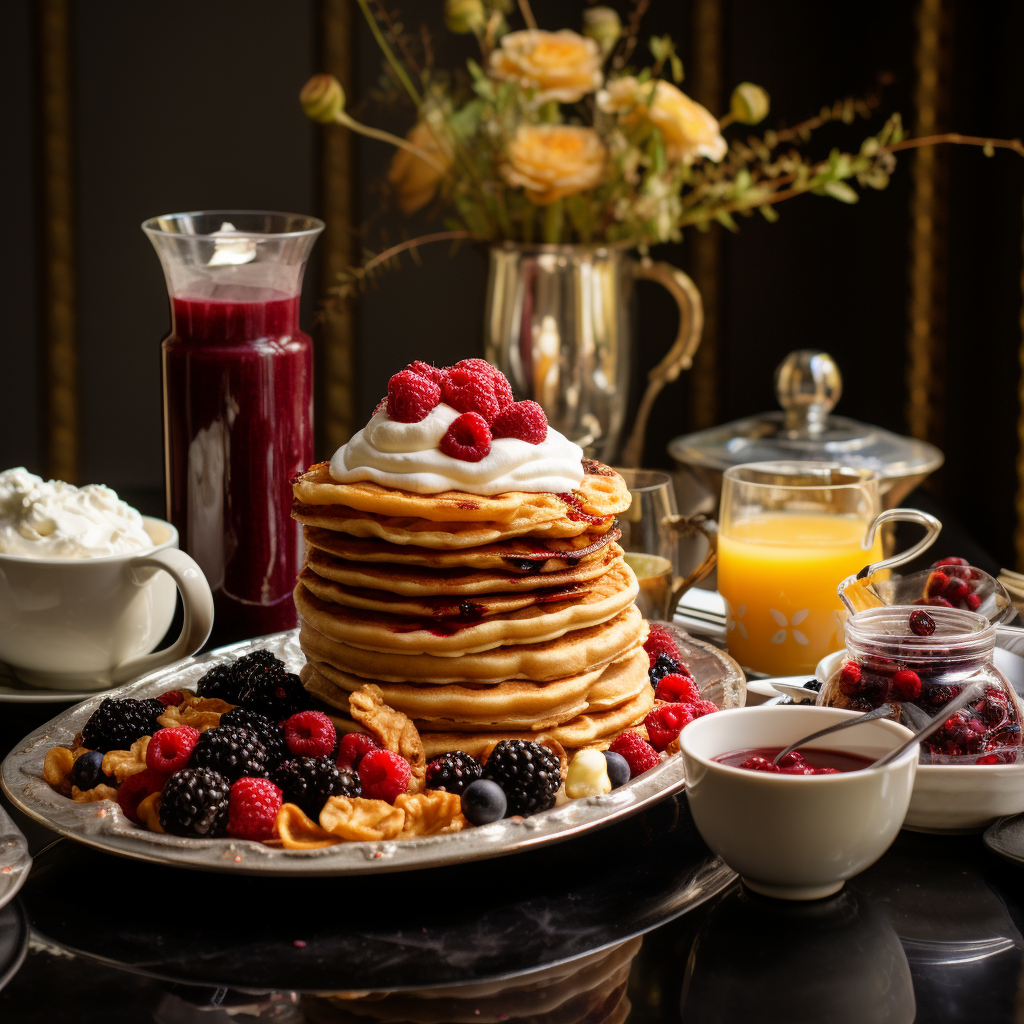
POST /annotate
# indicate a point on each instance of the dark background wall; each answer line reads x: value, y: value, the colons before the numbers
x: 193, y: 104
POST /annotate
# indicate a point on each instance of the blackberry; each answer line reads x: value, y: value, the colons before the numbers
x: 195, y: 803
x: 814, y: 685
x: 231, y: 750
x: 309, y: 781
x: 453, y: 772
x: 528, y: 773
x: 117, y: 724
x: 278, y: 695
x: 664, y: 666
x: 268, y: 731
x: 221, y: 682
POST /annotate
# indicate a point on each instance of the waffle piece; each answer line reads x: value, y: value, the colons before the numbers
x: 377, y: 631
x: 602, y: 493
x: 570, y: 654
x: 512, y: 704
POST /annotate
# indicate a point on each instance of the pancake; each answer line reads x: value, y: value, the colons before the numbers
x: 602, y: 493
x: 513, y: 704
x: 570, y: 654
x: 446, y: 536
x: 582, y: 731
x: 378, y: 631
x: 413, y: 581
x: 448, y: 608
x: 527, y: 556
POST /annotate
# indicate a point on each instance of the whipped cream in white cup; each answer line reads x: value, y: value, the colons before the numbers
x: 88, y: 616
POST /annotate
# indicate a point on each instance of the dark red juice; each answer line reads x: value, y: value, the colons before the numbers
x: 805, y: 761
x: 238, y: 425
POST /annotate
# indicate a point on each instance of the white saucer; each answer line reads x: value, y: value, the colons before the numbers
x: 765, y: 689
x: 14, y: 691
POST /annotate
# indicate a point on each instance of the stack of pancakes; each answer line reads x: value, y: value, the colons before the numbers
x: 481, y: 618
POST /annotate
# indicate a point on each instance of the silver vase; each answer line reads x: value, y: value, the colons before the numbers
x: 559, y: 323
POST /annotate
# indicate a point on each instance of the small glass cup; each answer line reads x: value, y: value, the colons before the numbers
x: 651, y: 530
x: 790, y: 533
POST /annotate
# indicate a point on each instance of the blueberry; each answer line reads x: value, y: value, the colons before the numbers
x: 88, y: 771
x: 618, y: 768
x: 483, y: 801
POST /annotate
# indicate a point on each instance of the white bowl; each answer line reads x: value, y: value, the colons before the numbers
x: 953, y: 797
x: 796, y: 837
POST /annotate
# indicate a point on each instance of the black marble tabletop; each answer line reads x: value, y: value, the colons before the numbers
x: 637, y: 923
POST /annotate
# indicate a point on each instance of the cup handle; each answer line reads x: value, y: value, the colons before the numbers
x: 685, y: 526
x: 680, y: 355
x: 932, y: 528
x: 196, y: 598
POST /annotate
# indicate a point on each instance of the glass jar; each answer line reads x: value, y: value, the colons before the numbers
x: 238, y: 405
x: 892, y: 657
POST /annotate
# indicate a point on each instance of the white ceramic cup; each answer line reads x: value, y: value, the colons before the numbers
x: 89, y: 623
x: 796, y: 837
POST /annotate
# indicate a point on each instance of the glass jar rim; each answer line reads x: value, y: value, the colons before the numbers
x: 655, y: 479
x: 804, y: 474
x: 159, y: 225
x: 961, y: 642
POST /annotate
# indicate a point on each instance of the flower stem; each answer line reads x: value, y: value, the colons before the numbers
x: 413, y: 243
x: 394, y: 140
x: 527, y: 13
x: 386, y: 50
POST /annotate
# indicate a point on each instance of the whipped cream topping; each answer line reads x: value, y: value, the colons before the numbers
x: 53, y: 519
x: 406, y: 456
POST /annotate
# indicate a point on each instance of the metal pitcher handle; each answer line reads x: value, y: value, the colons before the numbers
x: 680, y: 355
x: 684, y: 526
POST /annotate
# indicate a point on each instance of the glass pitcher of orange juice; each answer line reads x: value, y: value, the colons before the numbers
x: 789, y: 534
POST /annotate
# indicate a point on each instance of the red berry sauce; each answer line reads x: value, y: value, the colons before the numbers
x: 806, y: 761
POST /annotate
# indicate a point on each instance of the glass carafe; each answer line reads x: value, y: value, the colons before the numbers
x: 238, y: 404
x: 918, y: 665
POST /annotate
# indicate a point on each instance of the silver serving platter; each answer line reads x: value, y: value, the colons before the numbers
x: 14, y: 858
x: 103, y: 826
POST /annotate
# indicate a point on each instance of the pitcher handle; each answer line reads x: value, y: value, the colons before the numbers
x: 680, y: 355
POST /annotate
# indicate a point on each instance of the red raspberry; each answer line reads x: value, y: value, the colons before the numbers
x: 432, y: 373
x: 524, y: 421
x: 659, y: 641
x: 907, y: 684
x: 957, y: 590
x: 757, y: 763
x: 973, y: 602
x: 665, y: 723
x: 849, y: 679
x: 310, y: 734
x: 704, y: 707
x: 169, y: 749
x: 171, y: 697
x: 639, y: 754
x: 677, y: 689
x: 502, y: 388
x: 469, y: 391
x: 352, y: 747
x: 793, y: 759
x: 468, y: 438
x: 135, y: 789
x: 252, y: 808
x: 384, y: 775
x: 937, y: 584
x: 411, y: 397
x: 952, y: 560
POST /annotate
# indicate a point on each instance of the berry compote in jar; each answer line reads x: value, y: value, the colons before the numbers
x: 238, y: 405
x: 919, y: 659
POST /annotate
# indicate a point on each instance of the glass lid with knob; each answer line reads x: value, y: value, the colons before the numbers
x: 808, y: 385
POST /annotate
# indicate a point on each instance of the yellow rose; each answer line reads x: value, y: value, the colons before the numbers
x: 689, y: 130
x: 561, y: 66
x: 551, y: 161
x: 414, y: 181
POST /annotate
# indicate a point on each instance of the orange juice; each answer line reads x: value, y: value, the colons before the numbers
x: 778, y: 573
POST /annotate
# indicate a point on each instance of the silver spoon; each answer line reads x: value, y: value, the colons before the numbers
x: 968, y: 694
